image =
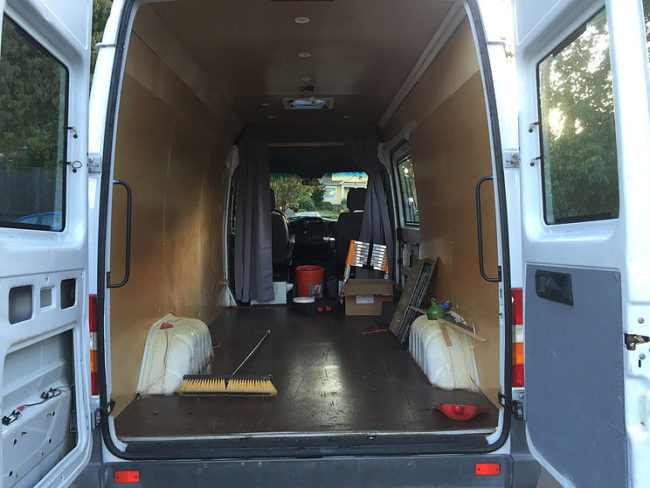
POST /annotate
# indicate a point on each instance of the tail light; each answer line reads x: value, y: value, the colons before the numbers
x: 92, y: 326
x: 518, y: 337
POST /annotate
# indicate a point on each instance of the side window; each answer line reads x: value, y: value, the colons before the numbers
x: 407, y: 190
x: 578, y: 135
x: 33, y: 108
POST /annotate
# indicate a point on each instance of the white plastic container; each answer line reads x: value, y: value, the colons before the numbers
x: 175, y: 346
x: 449, y: 368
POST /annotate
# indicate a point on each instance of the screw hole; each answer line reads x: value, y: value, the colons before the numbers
x: 49, y: 441
x: 11, y: 473
x: 15, y: 440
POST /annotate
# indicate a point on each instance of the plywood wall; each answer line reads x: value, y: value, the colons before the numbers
x: 172, y: 150
x: 450, y: 148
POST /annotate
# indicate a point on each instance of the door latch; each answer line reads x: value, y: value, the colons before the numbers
x: 515, y: 407
x: 104, y: 411
x: 631, y: 341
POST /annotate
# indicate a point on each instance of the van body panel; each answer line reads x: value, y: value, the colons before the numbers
x: 607, y: 249
x: 587, y: 398
x: 44, y: 338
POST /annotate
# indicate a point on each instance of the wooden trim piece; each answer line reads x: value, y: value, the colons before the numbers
x: 445, y: 322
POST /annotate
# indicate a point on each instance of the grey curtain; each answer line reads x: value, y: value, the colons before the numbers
x: 375, y: 225
x: 253, y: 255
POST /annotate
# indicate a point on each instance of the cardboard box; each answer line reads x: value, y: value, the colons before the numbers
x: 364, y: 297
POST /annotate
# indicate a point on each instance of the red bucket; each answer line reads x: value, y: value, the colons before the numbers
x: 309, y: 281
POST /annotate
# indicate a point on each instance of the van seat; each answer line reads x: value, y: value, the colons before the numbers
x: 280, y: 241
x: 349, y: 223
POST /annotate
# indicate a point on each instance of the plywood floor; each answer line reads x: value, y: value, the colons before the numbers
x: 330, y: 378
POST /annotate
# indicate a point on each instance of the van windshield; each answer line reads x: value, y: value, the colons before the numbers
x: 324, y: 197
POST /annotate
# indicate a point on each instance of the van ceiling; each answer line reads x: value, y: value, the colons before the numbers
x: 361, y: 52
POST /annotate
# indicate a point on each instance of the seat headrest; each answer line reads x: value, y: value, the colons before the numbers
x: 272, y: 196
x: 356, y: 199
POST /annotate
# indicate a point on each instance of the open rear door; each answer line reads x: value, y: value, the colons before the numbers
x: 585, y: 172
x: 44, y: 339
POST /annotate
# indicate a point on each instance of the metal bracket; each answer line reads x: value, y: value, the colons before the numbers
x: 104, y: 411
x: 75, y: 165
x: 511, y: 159
x: 94, y: 163
x: 12, y: 417
x: 631, y: 341
x: 101, y: 45
x: 515, y: 407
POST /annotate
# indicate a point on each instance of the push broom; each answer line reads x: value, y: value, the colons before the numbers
x: 196, y: 384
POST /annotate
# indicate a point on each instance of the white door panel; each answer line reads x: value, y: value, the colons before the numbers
x: 44, y: 340
x: 600, y: 259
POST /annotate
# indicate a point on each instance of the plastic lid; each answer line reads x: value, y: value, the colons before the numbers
x: 304, y: 300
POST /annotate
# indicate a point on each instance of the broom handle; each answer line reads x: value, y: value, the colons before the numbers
x: 259, y: 344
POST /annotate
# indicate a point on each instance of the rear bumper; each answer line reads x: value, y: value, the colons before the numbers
x: 452, y: 470
x: 517, y: 469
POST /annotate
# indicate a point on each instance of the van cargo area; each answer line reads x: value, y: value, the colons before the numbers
x: 221, y: 101
x: 329, y: 375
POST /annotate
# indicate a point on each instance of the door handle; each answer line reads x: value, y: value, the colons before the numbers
x: 127, y: 255
x: 553, y: 286
x: 479, y: 232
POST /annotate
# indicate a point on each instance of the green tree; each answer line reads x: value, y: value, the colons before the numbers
x: 101, y: 11
x: 579, y: 136
x: 317, y: 195
x: 32, y: 85
x: 306, y: 205
x: 289, y: 191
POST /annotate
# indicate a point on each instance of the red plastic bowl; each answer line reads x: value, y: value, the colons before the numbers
x: 459, y: 412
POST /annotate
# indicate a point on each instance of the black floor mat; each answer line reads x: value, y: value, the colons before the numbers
x: 330, y: 377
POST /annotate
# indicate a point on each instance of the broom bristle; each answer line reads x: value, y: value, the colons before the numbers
x: 224, y: 385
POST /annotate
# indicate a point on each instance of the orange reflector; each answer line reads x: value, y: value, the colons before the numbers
x: 518, y: 353
x: 93, y: 361
x: 127, y: 476
x: 487, y: 469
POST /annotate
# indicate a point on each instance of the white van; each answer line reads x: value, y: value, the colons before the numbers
x: 138, y: 243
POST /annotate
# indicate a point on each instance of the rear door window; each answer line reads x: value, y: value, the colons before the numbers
x: 33, y: 107
x: 578, y: 134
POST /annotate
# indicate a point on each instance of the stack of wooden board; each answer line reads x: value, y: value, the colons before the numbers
x: 416, y: 286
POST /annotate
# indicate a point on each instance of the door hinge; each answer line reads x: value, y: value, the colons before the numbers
x: 516, y: 407
x: 511, y: 159
x: 631, y: 341
x: 94, y: 163
x: 104, y: 411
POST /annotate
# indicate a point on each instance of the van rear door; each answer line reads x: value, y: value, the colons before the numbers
x: 44, y: 339
x: 584, y: 129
